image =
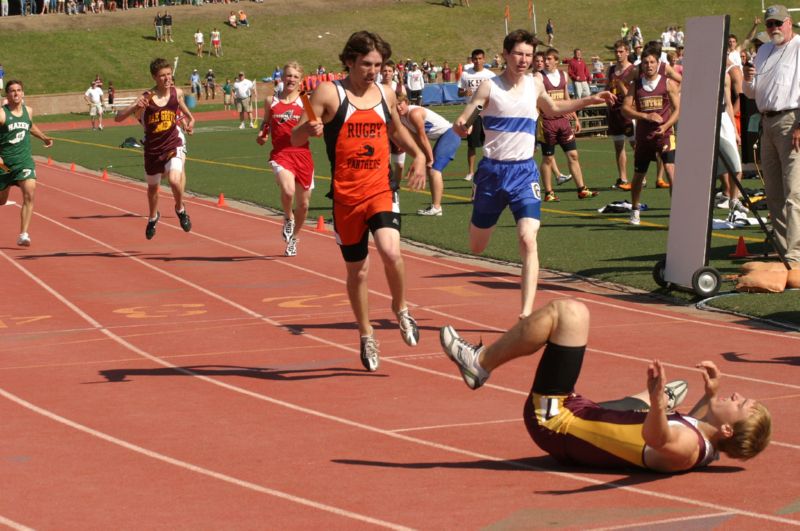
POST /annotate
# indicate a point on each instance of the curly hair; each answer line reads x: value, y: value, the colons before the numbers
x: 361, y: 43
x: 157, y: 64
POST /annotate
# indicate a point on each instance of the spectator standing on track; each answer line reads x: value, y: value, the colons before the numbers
x: 469, y: 82
x: 293, y: 165
x: 620, y: 127
x: 94, y: 98
x: 579, y: 74
x: 415, y: 82
x: 357, y: 117
x: 17, y: 167
x: 653, y: 101
x: 577, y: 431
x: 194, y: 82
x: 111, y: 93
x: 557, y: 131
x: 164, y: 148
x: 447, y: 72
x: 772, y: 82
x: 243, y: 92
x: 210, y: 84
x: 426, y: 125
x: 167, y: 25
x: 507, y: 175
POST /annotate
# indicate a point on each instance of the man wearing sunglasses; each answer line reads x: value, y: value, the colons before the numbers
x: 774, y: 82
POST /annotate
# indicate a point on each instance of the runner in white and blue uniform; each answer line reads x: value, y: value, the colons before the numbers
x: 507, y: 175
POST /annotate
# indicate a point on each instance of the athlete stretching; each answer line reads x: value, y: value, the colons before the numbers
x: 577, y: 431
x: 358, y: 117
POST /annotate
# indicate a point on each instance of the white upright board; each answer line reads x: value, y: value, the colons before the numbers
x: 696, y: 151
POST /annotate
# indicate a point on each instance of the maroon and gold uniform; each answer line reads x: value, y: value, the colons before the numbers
x: 162, y: 139
x: 618, y: 124
x: 649, y: 142
x: 556, y: 130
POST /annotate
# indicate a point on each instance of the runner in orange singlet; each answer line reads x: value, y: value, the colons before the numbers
x: 358, y: 118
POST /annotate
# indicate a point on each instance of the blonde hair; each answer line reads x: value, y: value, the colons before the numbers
x: 402, y: 98
x: 750, y: 436
x: 293, y: 64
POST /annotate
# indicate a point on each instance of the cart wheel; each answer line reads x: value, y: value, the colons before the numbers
x: 658, y: 273
x: 706, y: 281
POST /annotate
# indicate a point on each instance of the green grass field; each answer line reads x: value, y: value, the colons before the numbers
x: 57, y: 53
x: 574, y: 238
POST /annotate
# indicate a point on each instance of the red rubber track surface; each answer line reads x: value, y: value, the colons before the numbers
x: 203, y: 380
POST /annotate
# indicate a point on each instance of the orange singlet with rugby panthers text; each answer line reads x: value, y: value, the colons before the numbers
x: 357, y: 142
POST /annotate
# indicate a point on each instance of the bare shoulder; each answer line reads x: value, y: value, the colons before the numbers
x: 30, y: 112
x: 179, y: 92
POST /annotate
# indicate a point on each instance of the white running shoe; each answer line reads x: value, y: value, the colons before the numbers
x: 561, y: 179
x: 291, y: 247
x: 634, y: 220
x: 430, y: 211
x: 24, y: 240
x: 465, y: 355
x: 468, y: 177
x: 370, y: 354
x: 288, y: 229
x: 408, y: 328
x: 676, y: 391
x: 241, y: 125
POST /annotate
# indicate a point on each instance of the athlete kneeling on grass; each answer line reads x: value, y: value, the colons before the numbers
x: 576, y: 431
x: 293, y: 165
x: 164, y: 149
x: 425, y: 125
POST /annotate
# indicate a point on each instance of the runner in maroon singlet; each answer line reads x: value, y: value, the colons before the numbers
x: 654, y: 102
x: 620, y: 127
x: 164, y: 147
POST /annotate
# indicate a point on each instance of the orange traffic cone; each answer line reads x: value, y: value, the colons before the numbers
x: 105, y: 174
x: 72, y: 167
x: 321, y: 225
x: 221, y: 200
x: 741, y: 249
x: 49, y: 161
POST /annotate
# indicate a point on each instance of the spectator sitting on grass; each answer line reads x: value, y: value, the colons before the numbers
x: 243, y: 19
x: 232, y: 20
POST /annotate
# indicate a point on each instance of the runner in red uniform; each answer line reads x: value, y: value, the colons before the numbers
x: 292, y: 165
x: 654, y: 102
x: 164, y: 148
x: 358, y: 118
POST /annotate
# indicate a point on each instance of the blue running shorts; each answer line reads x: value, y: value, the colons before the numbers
x: 505, y: 183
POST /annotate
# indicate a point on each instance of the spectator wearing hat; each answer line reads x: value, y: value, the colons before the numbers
x: 772, y: 80
x: 415, y: 82
x: 210, y: 84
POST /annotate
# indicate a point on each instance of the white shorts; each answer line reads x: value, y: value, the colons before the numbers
x: 398, y: 158
x: 728, y: 150
x: 175, y: 164
x: 96, y: 109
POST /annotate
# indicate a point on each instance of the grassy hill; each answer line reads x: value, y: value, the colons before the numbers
x: 59, y: 53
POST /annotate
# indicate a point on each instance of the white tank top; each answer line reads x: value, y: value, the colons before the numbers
x: 435, y: 125
x: 509, y: 121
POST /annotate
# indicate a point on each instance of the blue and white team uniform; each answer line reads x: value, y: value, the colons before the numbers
x: 439, y: 129
x: 507, y: 174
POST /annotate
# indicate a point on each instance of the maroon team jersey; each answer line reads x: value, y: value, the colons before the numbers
x: 656, y: 101
x: 556, y: 92
x: 161, y: 135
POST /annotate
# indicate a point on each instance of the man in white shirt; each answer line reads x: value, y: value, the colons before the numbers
x: 415, y: 82
x: 773, y: 80
x: 243, y: 91
x: 94, y: 98
x: 469, y: 82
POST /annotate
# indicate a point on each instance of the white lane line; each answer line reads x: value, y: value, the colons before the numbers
x: 155, y: 455
x: 12, y: 524
x: 645, y: 525
x: 414, y: 256
x: 368, y: 427
x: 459, y: 425
x: 289, y: 264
